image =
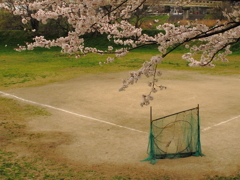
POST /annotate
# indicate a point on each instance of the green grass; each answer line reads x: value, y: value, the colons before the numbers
x: 237, y: 177
x: 42, y: 66
x: 39, y: 67
x: 13, y: 167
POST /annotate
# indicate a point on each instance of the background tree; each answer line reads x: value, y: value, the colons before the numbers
x: 21, y: 8
x: 138, y: 16
x: 16, y: 15
x: 10, y: 22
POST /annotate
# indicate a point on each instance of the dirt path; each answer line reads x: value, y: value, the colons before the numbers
x: 94, y: 144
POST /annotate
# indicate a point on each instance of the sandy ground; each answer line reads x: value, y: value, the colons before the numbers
x: 114, y: 149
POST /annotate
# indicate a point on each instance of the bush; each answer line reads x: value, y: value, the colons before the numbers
x: 14, y: 37
x: 152, y: 32
x: 235, y: 48
x: 9, y: 22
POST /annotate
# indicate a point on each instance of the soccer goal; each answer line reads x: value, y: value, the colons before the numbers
x: 174, y: 136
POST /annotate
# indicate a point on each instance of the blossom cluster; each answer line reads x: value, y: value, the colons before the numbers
x: 110, y: 17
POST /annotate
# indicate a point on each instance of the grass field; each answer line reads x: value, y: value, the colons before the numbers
x: 40, y: 67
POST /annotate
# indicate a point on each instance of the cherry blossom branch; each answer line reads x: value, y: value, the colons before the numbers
x: 224, y: 47
x: 85, y: 17
x: 211, y: 32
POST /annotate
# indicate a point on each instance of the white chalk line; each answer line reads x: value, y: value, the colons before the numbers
x: 69, y: 112
x: 106, y: 122
x: 223, y: 122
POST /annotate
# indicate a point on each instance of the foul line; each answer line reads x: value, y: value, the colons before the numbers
x: 223, y: 122
x: 95, y: 119
x: 69, y: 112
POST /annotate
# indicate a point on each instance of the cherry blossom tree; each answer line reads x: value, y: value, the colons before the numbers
x: 110, y: 17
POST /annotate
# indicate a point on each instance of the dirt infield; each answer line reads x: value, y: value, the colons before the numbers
x: 117, y: 148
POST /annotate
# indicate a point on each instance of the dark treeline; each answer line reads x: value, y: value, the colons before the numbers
x: 54, y: 28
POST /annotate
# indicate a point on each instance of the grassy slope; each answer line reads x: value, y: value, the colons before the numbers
x: 38, y: 68
x: 34, y: 68
x: 41, y: 66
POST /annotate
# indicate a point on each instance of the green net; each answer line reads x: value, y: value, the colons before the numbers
x: 175, y: 136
